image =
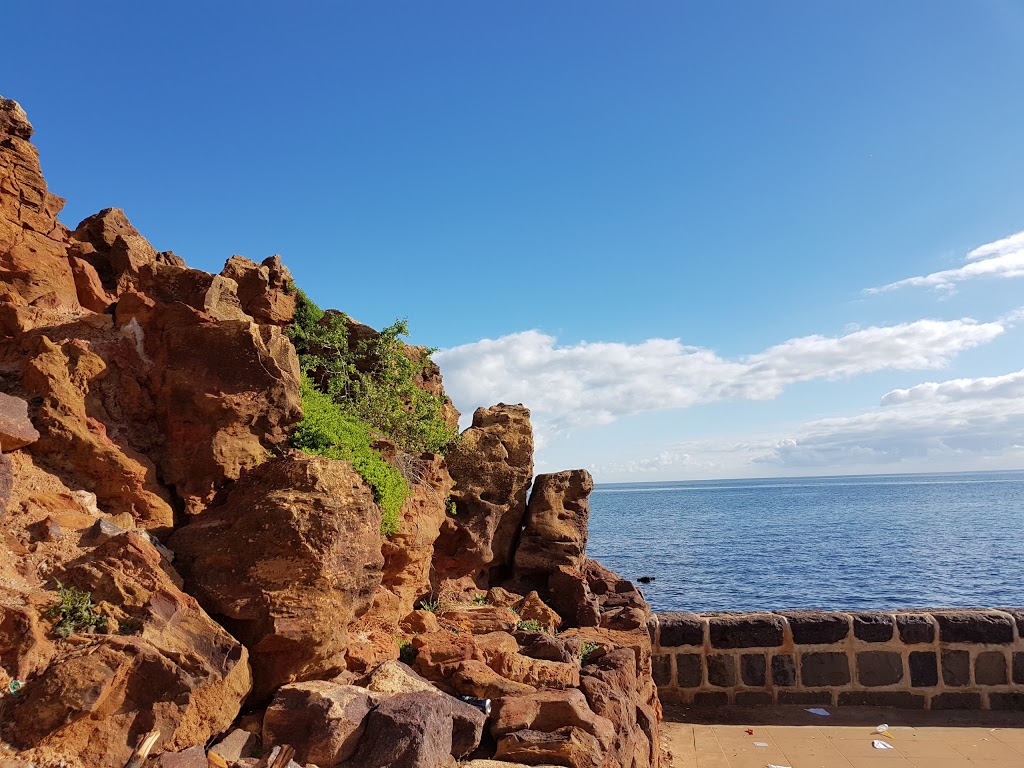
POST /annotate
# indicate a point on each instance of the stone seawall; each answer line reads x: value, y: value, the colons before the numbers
x: 937, y: 659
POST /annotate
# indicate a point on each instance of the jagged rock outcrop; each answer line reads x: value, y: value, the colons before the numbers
x: 172, y: 669
x: 492, y: 467
x: 555, y: 530
x: 287, y: 563
x: 36, y: 282
x: 264, y: 290
x: 145, y: 413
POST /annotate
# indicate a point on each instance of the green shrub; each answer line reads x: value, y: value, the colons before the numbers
x: 407, y: 652
x: 530, y: 625
x: 480, y: 600
x: 327, y: 430
x: 429, y: 605
x: 75, y: 613
x: 588, y: 648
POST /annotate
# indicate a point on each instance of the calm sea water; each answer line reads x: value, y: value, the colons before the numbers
x: 865, y: 542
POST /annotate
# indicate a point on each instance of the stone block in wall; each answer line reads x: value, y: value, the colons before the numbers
x: 899, y: 699
x: 805, y: 698
x: 915, y: 628
x: 873, y: 627
x: 661, y: 669
x: 679, y: 629
x: 924, y: 669
x: 754, y: 699
x: 956, y: 668
x: 1018, y: 617
x: 956, y: 700
x: 877, y: 668
x: 1006, y: 701
x: 783, y: 670
x: 990, y: 668
x: 825, y: 668
x: 689, y: 673
x: 721, y: 670
x: 711, y: 698
x: 974, y: 627
x: 1018, y: 668
x: 753, y: 670
x: 751, y: 631
x: 817, y: 627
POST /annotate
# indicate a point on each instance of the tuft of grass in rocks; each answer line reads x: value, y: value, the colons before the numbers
x: 530, y: 625
x: 75, y: 613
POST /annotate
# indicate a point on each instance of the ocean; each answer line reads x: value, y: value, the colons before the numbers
x: 834, y: 543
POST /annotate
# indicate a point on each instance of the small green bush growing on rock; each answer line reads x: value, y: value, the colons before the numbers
x: 588, y: 648
x: 407, y: 652
x: 430, y: 606
x: 75, y: 613
x: 530, y: 625
x: 327, y: 430
x: 351, y: 397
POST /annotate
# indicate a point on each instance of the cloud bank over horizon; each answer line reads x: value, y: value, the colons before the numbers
x: 596, y: 383
x: 999, y: 259
x: 932, y: 425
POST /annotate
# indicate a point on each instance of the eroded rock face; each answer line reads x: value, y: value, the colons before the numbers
x: 492, y: 468
x: 264, y: 290
x: 555, y: 531
x: 287, y: 563
x: 35, y: 275
x: 175, y: 670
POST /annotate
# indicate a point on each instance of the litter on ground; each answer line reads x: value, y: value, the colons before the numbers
x: 818, y: 711
x: 882, y: 744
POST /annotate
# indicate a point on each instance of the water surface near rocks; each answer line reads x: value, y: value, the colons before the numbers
x: 863, y: 542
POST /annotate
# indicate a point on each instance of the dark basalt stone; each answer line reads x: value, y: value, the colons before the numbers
x: 827, y: 668
x: 805, y: 698
x: 1011, y: 701
x: 783, y: 671
x: 873, y: 627
x: 711, y: 698
x: 924, y: 669
x: 915, y: 628
x: 1018, y: 668
x: 661, y: 669
x: 974, y: 627
x: 956, y: 700
x: 899, y: 699
x: 956, y: 668
x: 680, y: 629
x: 754, y: 631
x: 990, y: 668
x: 753, y: 669
x: 754, y: 699
x: 689, y: 671
x: 817, y: 627
x: 876, y: 668
x: 721, y: 671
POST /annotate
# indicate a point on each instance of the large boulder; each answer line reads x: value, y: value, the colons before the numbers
x: 16, y: 430
x: 171, y: 669
x: 323, y: 721
x: 555, y: 531
x: 287, y: 563
x: 221, y: 394
x: 492, y: 466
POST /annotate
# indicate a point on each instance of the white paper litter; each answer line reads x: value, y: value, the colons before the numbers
x: 773, y: 765
x: 881, y: 745
x: 760, y: 743
x: 818, y: 711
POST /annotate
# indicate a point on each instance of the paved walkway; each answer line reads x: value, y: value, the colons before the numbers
x: 792, y: 737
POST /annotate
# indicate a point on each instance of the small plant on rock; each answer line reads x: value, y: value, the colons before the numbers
x: 430, y: 606
x: 480, y: 600
x: 407, y: 652
x: 588, y: 648
x: 75, y: 613
x: 530, y: 625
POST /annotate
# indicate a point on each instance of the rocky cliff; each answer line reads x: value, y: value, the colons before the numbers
x: 175, y: 576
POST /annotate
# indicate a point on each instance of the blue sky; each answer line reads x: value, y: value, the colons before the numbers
x: 546, y: 190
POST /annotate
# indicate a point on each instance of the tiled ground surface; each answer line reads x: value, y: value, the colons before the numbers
x: 797, y: 739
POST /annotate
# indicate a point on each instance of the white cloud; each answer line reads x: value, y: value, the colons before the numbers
x: 596, y: 383
x: 999, y: 259
x: 956, y: 424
